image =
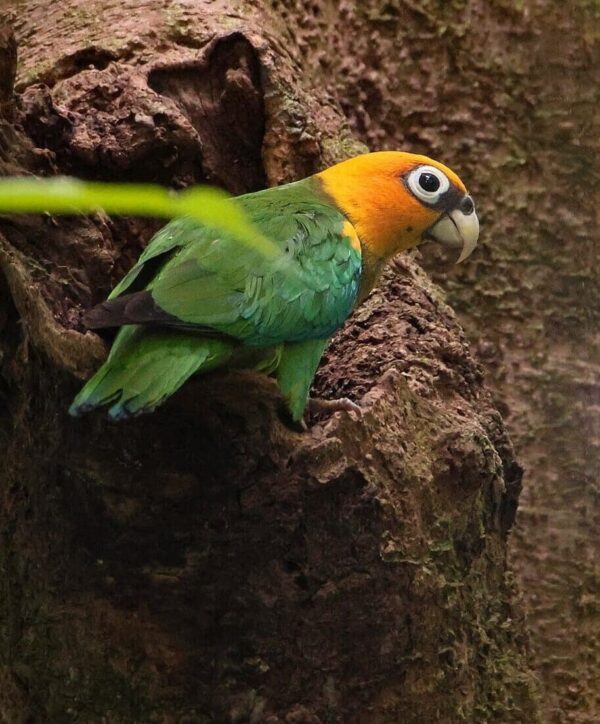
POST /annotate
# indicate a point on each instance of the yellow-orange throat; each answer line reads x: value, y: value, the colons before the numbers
x: 370, y: 190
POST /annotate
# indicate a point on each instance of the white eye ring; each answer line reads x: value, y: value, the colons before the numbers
x: 429, y: 196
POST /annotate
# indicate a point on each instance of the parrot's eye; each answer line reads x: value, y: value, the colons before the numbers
x: 428, y: 183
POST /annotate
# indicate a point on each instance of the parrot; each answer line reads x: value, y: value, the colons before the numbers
x: 198, y: 300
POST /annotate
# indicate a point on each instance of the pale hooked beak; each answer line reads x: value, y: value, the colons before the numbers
x: 457, y: 229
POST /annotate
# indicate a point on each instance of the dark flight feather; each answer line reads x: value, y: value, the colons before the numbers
x: 136, y: 308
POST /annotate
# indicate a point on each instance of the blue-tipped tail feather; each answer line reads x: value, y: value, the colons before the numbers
x: 145, y: 367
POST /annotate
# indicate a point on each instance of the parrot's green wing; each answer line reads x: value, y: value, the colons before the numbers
x: 215, y: 284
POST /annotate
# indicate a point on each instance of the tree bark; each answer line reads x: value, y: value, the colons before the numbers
x: 507, y: 92
x: 206, y: 563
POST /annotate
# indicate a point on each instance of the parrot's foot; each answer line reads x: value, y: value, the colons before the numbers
x: 317, y: 406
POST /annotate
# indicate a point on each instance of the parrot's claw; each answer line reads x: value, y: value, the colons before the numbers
x: 317, y: 405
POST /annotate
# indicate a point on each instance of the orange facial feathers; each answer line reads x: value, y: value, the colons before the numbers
x: 370, y: 190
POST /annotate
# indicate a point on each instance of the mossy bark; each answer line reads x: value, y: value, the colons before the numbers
x: 207, y: 563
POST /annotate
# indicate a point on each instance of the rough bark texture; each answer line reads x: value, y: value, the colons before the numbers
x: 507, y: 91
x: 206, y: 563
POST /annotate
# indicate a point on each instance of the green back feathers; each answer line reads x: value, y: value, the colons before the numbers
x: 210, y: 281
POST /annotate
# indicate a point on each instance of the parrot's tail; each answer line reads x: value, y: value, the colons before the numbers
x: 145, y: 367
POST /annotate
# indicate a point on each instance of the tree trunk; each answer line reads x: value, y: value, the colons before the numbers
x: 206, y: 563
x: 507, y: 92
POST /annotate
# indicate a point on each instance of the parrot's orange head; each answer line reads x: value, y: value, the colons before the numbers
x: 395, y: 200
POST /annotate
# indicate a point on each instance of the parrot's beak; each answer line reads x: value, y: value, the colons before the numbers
x: 457, y: 229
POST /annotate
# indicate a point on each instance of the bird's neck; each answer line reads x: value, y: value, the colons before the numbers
x: 373, y: 209
x: 375, y: 252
